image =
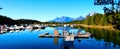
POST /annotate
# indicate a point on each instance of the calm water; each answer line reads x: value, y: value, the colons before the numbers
x: 102, y: 39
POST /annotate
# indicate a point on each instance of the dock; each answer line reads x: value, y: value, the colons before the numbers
x: 46, y: 35
x: 60, y: 36
x: 67, y: 36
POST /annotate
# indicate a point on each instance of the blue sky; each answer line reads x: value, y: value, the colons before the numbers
x: 44, y: 10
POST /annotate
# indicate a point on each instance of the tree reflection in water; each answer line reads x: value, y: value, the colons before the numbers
x: 110, y: 37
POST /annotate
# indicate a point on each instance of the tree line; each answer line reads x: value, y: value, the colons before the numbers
x: 10, y: 21
x: 111, y: 19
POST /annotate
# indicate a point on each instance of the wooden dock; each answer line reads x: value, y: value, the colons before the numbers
x: 46, y: 35
x: 67, y: 36
x: 60, y: 36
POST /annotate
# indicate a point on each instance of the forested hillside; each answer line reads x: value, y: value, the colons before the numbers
x: 112, y: 19
x: 10, y: 21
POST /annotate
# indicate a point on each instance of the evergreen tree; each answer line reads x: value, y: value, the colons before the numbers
x: 104, y: 21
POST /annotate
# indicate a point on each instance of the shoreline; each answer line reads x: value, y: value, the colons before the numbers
x: 97, y: 26
x: 93, y: 26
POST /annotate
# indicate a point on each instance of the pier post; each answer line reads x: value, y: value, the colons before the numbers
x: 56, y: 33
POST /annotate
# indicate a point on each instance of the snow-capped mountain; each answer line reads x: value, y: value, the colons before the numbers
x: 79, y: 18
x: 66, y: 19
x: 62, y: 19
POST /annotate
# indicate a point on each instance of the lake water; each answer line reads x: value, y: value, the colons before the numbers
x: 102, y: 39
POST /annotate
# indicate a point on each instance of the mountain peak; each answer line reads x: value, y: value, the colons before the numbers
x: 66, y: 19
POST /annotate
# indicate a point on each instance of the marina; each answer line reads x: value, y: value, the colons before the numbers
x: 55, y: 38
x: 59, y: 24
x: 12, y: 28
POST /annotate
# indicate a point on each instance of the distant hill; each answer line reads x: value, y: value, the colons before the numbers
x: 27, y: 21
x: 6, y: 20
x: 66, y: 19
x: 10, y: 21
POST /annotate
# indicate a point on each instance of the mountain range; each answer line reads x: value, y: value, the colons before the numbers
x: 66, y: 19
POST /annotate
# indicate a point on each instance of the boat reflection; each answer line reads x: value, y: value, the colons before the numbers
x: 67, y: 44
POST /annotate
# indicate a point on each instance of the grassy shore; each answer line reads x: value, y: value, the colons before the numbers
x: 98, y: 26
x: 92, y: 26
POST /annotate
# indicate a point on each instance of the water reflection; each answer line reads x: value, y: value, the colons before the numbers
x: 67, y: 44
x: 0, y: 40
x: 55, y: 40
x: 63, y: 28
x: 102, y: 39
x: 109, y: 36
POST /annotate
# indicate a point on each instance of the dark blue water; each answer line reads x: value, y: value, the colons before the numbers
x: 30, y: 40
